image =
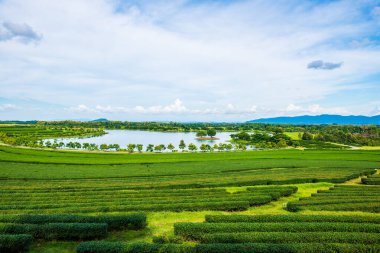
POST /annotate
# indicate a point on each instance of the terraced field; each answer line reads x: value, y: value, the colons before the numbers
x: 264, y: 233
x: 52, y: 200
x: 87, y: 200
x: 341, y: 198
x: 372, y: 180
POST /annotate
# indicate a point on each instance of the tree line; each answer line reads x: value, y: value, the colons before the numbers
x: 131, y: 148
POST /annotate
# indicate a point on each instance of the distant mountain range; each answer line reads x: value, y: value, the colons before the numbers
x: 99, y: 120
x: 321, y: 119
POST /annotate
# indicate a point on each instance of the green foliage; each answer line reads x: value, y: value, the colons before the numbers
x: 15, y: 243
x: 211, y: 132
x: 112, y: 200
x: 118, y: 247
x: 131, y: 221
x: 101, y: 247
x: 292, y: 218
x: 341, y: 198
x: 307, y: 136
x: 372, y: 180
x: 58, y: 231
x: 31, y: 135
x: 285, y: 237
x: 198, y: 230
x: 201, y: 133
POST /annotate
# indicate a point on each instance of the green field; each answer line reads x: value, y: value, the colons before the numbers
x: 172, y: 188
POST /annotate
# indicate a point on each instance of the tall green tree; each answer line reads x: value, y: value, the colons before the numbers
x: 171, y: 147
x: 201, y: 133
x: 139, y: 147
x: 182, y: 145
x: 211, y: 132
x: 131, y: 148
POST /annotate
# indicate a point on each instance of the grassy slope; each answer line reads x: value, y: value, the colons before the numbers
x: 294, y: 135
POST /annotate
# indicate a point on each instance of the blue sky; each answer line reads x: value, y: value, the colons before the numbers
x: 188, y: 60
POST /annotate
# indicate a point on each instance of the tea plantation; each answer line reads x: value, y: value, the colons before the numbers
x: 257, y: 201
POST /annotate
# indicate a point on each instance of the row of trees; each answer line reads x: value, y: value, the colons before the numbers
x: 131, y: 148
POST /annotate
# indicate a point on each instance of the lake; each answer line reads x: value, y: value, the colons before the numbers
x: 125, y: 137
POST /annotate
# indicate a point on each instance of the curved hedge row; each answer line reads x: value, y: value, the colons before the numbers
x: 60, y: 231
x: 285, y: 237
x: 292, y: 218
x: 364, y: 207
x: 372, y: 180
x: 197, y: 230
x: 131, y: 221
x: 15, y: 243
x: 117, y: 247
x: 253, y: 200
x: 341, y: 198
x: 146, y: 200
x: 175, y: 207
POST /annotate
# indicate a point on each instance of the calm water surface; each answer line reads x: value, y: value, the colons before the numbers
x: 125, y: 137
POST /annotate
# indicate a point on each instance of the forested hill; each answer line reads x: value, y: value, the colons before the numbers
x: 321, y: 119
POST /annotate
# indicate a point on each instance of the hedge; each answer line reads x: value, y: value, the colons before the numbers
x: 101, y: 247
x: 311, y: 201
x: 365, y: 207
x: 52, y: 200
x: 285, y: 237
x: 59, y: 231
x: 131, y: 221
x: 15, y: 243
x: 293, y: 218
x: 197, y: 230
x: 371, y: 181
x: 176, y: 207
x: 253, y: 200
x: 117, y: 247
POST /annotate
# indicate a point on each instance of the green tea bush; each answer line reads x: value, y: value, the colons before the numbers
x: 197, y: 230
x: 59, y: 231
x: 285, y: 237
x: 101, y: 247
x: 131, y: 221
x: 117, y: 247
x: 293, y: 218
x: 15, y: 243
x: 371, y: 180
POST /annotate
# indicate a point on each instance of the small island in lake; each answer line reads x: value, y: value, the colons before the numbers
x: 207, y: 138
x: 206, y: 135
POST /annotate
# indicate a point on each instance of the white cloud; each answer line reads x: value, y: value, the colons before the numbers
x: 292, y: 107
x: 210, y: 55
x: 7, y: 107
x: 314, y: 109
x: 81, y: 109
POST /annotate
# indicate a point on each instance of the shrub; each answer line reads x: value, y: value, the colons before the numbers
x: 60, y: 231
x: 132, y: 221
x: 100, y: 247
x: 285, y: 237
x: 197, y: 230
x: 15, y: 243
x: 293, y: 218
x: 117, y: 247
x: 167, y: 239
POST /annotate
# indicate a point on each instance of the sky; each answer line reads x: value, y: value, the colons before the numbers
x: 177, y: 60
